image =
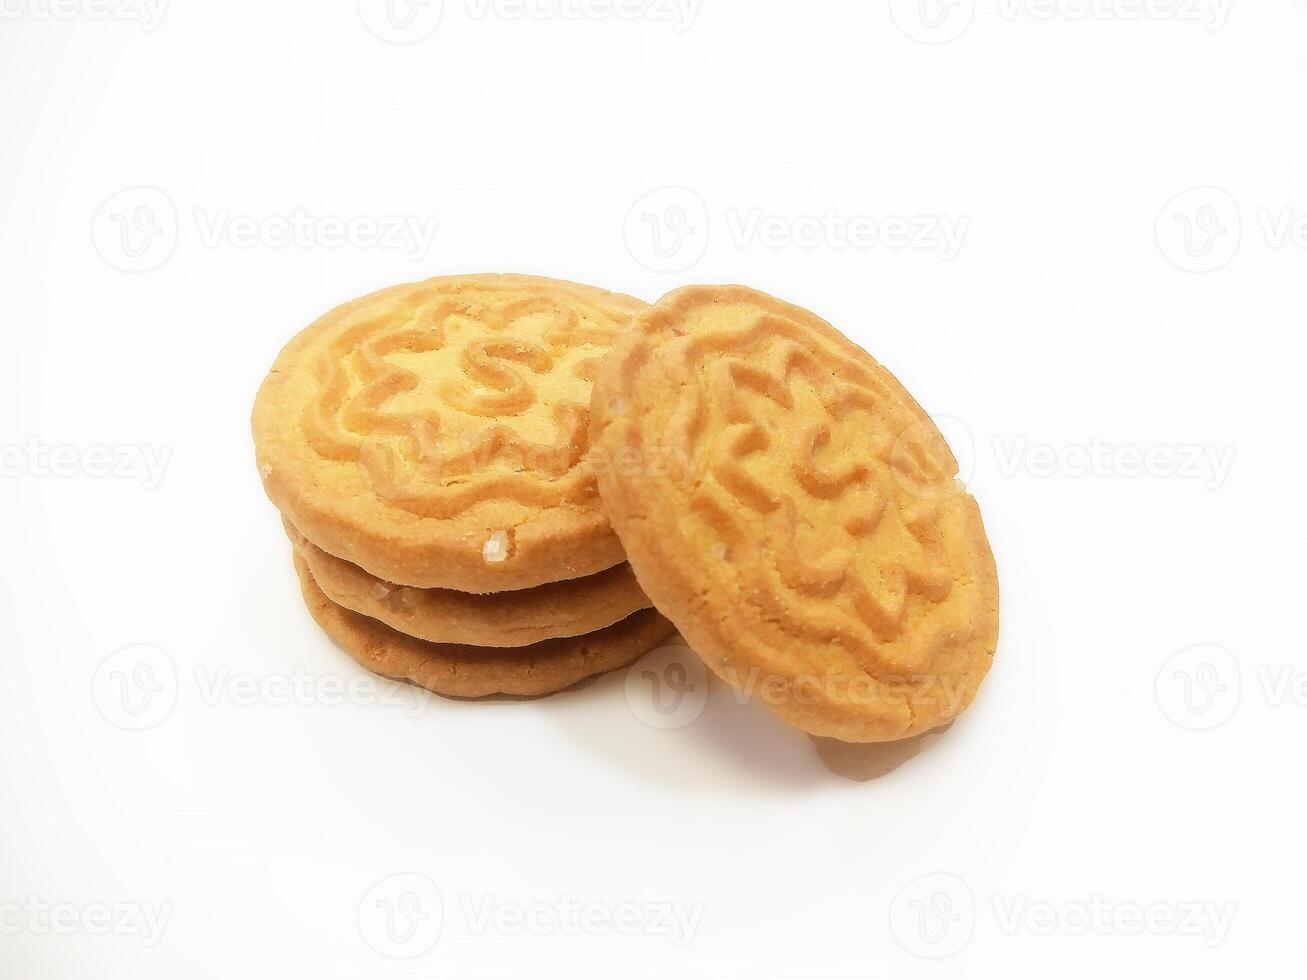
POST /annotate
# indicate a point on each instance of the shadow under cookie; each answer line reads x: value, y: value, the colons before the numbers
x: 865, y: 761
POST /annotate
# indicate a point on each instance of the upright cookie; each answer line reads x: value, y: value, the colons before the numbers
x: 499, y: 619
x: 435, y: 433
x: 458, y: 671
x: 794, y: 512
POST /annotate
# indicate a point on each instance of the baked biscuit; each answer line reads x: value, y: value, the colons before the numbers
x: 499, y: 619
x: 459, y: 671
x: 435, y: 433
x: 796, y: 514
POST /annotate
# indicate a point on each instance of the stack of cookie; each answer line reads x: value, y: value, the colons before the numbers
x: 490, y: 483
x: 427, y: 448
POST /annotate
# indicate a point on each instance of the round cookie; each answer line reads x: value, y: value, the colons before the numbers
x: 796, y: 514
x: 435, y: 433
x: 498, y: 619
x: 458, y: 671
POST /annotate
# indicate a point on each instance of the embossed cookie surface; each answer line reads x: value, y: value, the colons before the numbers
x: 435, y: 433
x: 499, y: 619
x: 460, y: 671
x: 795, y: 513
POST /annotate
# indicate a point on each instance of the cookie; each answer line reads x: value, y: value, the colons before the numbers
x: 498, y: 619
x: 460, y: 671
x: 796, y: 514
x: 435, y: 433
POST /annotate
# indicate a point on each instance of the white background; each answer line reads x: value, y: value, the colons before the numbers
x: 1094, y: 314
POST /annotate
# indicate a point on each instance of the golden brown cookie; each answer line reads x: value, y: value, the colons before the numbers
x: 790, y: 507
x: 459, y: 671
x: 498, y: 619
x: 435, y: 433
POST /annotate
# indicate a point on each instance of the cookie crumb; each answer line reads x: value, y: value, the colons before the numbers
x: 497, y: 547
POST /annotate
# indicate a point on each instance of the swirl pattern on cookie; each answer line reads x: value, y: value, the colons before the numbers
x: 789, y: 506
x: 436, y: 433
